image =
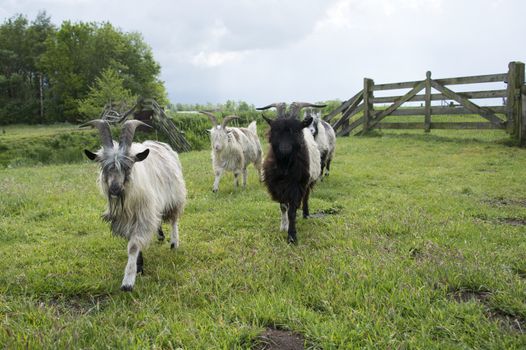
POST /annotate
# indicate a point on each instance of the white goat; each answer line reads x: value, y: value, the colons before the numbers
x: 144, y: 185
x: 233, y: 149
x: 325, y: 138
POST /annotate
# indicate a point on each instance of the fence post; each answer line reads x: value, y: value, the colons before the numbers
x: 427, y: 113
x: 367, y: 103
x: 514, y: 102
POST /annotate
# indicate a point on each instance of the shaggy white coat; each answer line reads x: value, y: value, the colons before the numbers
x: 155, y: 191
x: 325, y: 139
x: 233, y: 149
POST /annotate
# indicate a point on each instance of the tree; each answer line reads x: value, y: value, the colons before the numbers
x: 79, y: 53
x: 108, y: 90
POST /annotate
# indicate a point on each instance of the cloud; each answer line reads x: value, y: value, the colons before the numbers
x: 267, y: 50
x: 217, y: 58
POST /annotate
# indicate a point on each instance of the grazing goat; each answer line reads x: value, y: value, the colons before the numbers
x: 325, y: 138
x: 144, y: 185
x: 233, y: 149
x: 292, y: 164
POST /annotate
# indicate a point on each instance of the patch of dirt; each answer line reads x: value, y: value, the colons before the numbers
x: 76, y: 304
x: 502, y: 221
x: 275, y: 339
x: 502, y: 202
x: 511, y: 322
x: 506, y: 320
x: 463, y: 296
x: 513, y: 221
x: 520, y: 272
x: 327, y: 211
x: 317, y: 215
x: 432, y: 252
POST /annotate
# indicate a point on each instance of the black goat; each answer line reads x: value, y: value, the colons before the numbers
x: 292, y: 164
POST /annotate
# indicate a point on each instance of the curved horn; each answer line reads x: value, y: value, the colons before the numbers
x: 104, y: 130
x: 128, y: 131
x: 227, y: 119
x: 296, y: 107
x: 280, y: 108
x: 212, y: 117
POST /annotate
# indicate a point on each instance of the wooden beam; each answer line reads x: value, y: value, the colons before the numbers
x: 439, y: 97
x: 349, y: 113
x: 427, y: 108
x: 395, y: 86
x: 419, y: 86
x: 515, y: 118
x: 467, y: 103
x: 489, y: 78
x: 347, y: 130
x: 440, y: 125
x: 437, y: 110
x: 345, y: 105
x: 368, y: 106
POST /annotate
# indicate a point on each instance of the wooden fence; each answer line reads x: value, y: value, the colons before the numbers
x: 510, y: 116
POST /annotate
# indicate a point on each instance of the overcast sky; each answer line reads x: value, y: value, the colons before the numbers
x: 263, y: 51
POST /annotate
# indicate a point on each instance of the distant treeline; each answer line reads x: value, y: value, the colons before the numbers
x: 240, y: 108
x: 54, y: 74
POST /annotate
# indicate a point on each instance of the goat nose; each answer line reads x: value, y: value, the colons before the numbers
x: 115, y: 190
x: 285, y: 148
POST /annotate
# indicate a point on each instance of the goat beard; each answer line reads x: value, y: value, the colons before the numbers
x: 115, y: 208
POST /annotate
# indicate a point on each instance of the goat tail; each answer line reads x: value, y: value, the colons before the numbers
x: 253, y: 127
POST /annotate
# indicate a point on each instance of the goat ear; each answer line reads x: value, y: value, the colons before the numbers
x: 139, y: 157
x: 306, y: 122
x: 268, y: 120
x: 90, y: 155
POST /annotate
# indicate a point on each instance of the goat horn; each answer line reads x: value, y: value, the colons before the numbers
x: 128, y: 131
x: 296, y: 107
x: 227, y: 119
x: 212, y: 117
x: 280, y: 108
x: 104, y: 130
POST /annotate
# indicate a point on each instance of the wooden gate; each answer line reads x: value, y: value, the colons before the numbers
x: 511, y: 117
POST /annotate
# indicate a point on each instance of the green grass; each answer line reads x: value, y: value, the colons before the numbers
x: 416, y: 221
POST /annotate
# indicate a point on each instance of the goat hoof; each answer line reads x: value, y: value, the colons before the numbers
x: 126, y: 288
x: 292, y: 240
x: 174, y: 246
x: 214, y: 190
x: 306, y: 216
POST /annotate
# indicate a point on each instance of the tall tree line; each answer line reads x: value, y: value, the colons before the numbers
x: 50, y: 74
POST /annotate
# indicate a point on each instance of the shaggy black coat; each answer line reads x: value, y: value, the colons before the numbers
x: 286, y: 168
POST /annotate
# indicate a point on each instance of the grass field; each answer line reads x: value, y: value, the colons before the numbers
x: 422, y: 246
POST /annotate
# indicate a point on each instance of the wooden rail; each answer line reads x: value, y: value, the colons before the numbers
x: 510, y: 117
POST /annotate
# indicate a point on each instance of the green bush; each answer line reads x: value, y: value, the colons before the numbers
x: 63, y: 143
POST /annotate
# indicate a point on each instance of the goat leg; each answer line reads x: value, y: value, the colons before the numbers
x: 174, y: 239
x: 218, y: 174
x: 131, y: 268
x: 306, y: 203
x: 140, y: 263
x: 160, y: 234
x: 292, y: 224
x: 284, y: 218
